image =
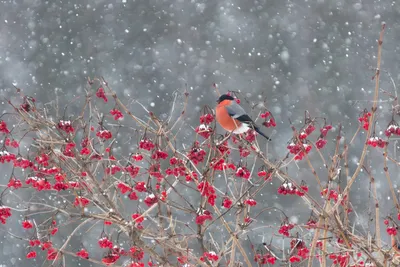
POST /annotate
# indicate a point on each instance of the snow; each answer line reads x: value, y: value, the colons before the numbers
x: 286, y: 56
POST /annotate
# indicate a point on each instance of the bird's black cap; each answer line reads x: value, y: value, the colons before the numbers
x: 224, y: 97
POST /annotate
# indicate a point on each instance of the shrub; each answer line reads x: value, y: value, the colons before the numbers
x: 168, y: 205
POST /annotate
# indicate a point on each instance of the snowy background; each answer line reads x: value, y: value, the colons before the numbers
x: 314, y: 55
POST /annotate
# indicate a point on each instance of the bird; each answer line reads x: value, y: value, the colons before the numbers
x: 233, y: 118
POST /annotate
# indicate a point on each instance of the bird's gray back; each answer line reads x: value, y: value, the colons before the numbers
x: 235, y: 110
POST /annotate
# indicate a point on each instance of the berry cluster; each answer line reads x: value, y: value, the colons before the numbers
x: 23, y: 163
x: 376, y: 142
x: 391, y: 230
x: 155, y: 171
x: 263, y: 259
x: 311, y: 223
x: 309, y: 129
x: 342, y: 259
x: 116, y: 113
x: 85, y: 151
x: 137, y: 218
x: 364, y: 119
x: 177, y: 171
x: 26, y: 224
x: 132, y: 170
x: 163, y: 196
x: 102, y: 94
x: 150, y: 200
x: 104, y: 242
x: 287, y: 188
x: 269, y: 120
x: 83, y: 253
x: 182, y: 259
x: 331, y: 194
x: 244, y: 152
x: 146, y: 144
x: 201, y: 218
x: 68, y: 150
x: 178, y: 168
x: 247, y: 221
x: 12, y: 143
x: 111, y: 258
x: 220, y: 165
x: 113, y: 169
x: 81, y: 201
x: 136, y: 253
x: 211, y: 256
x: 174, y: 161
x: 51, y: 251
x: 3, y: 127
x: 243, y: 172
x: 13, y: 182
x: 38, y: 183
x: 250, y: 136
x: 104, y: 134
x: 392, y: 128
x: 223, y: 148
x: 196, y: 154
x: 299, y: 150
x: 31, y: 255
x: 303, y: 135
x: 251, y: 202
x: 266, y: 175
x: 34, y: 242
x: 141, y: 187
x: 227, y: 202
x: 206, y: 118
x: 206, y: 189
x: 324, y: 130
x: 264, y: 115
x: 137, y: 157
x: 285, y: 228
x: 159, y: 154
x: 320, y: 143
x: 6, y: 156
x: 124, y: 188
x: 66, y: 126
x: 299, y: 246
x: 294, y: 259
x: 133, y: 196
x: 204, y: 130
x: 190, y: 176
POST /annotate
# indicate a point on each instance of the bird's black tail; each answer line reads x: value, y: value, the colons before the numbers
x: 261, y: 133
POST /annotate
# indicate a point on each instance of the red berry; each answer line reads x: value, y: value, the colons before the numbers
x: 31, y: 255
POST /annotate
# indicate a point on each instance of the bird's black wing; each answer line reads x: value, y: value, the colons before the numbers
x: 245, y: 118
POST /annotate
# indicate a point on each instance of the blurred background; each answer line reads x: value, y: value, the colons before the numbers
x: 297, y: 55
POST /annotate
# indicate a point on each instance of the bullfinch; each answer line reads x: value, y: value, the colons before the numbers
x: 232, y: 117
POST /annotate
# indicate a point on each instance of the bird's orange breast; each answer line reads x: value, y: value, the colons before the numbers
x: 223, y: 117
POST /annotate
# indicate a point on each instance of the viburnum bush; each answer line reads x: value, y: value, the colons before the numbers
x: 165, y: 204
